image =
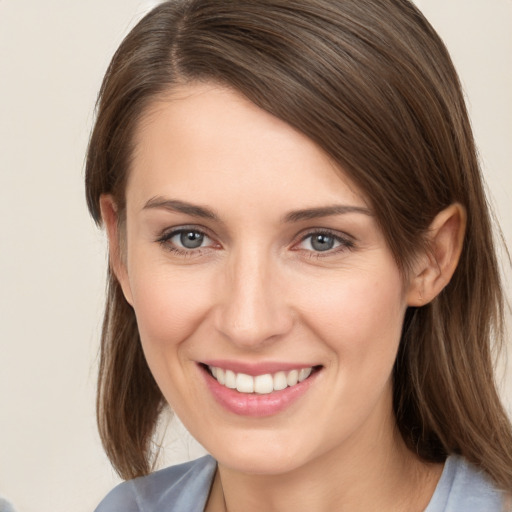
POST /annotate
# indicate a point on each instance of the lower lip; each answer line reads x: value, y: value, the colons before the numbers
x: 252, y: 404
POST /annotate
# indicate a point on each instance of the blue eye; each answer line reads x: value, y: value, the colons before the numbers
x: 324, y: 242
x: 189, y: 239
x: 185, y: 240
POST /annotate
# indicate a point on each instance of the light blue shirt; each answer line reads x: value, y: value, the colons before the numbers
x: 185, y: 488
x: 5, y: 506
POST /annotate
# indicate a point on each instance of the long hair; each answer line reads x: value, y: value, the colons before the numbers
x: 373, y: 85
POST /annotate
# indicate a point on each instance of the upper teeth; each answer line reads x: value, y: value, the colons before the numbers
x: 260, y: 384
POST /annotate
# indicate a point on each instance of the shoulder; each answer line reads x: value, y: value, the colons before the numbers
x: 184, y: 487
x: 465, y: 488
x: 5, y: 506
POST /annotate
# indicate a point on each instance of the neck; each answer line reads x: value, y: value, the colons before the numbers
x: 384, y: 476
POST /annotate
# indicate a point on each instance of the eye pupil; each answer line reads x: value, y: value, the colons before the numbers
x: 191, y: 239
x: 322, y: 242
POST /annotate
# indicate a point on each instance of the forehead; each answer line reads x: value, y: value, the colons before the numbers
x: 205, y: 142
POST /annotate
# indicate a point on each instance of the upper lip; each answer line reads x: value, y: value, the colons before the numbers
x: 256, y: 368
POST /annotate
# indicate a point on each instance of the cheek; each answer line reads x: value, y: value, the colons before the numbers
x: 360, y: 321
x: 168, y: 304
x: 360, y: 316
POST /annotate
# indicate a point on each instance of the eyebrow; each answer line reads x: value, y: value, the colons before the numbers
x: 293, y: 216
x: 324, y: 211
x: 181, y: 207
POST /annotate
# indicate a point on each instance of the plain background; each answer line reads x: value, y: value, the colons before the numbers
x: 52, y: 258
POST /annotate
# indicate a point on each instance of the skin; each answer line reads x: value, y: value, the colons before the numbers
x: 256, y: 290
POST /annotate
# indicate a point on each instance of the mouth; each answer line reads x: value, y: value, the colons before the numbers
x: 264, y: 393
x: 260, y: 384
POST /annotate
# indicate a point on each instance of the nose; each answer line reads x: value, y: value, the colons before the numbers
x: 252, y: 310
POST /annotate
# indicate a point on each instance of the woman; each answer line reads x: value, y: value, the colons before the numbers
x: 301, y: 263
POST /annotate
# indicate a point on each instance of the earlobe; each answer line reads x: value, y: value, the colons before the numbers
x: 435, y: 267
x: 109, y: 215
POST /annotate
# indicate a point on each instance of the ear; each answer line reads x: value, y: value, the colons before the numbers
x: 435, y: 267
x: 116, y: 249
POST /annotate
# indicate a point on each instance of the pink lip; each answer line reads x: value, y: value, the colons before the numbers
x: 254, y: 405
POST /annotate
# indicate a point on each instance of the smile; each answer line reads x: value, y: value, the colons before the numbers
x: 258, y: 390
x: 249, y: 390
x: 259, y: 384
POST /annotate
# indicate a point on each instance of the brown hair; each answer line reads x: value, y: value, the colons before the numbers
x: 373, y: 85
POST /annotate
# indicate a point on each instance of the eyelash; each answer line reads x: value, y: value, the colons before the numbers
x: 165, y: 241
x: 345, y: 242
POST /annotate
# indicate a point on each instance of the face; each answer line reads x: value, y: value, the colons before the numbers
x: 268, y: 303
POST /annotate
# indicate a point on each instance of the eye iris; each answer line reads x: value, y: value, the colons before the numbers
x: 191, y: 239
x: 322, y: 242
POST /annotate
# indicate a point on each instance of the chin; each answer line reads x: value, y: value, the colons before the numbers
x: 258, y: 464
x: 260, y: 457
